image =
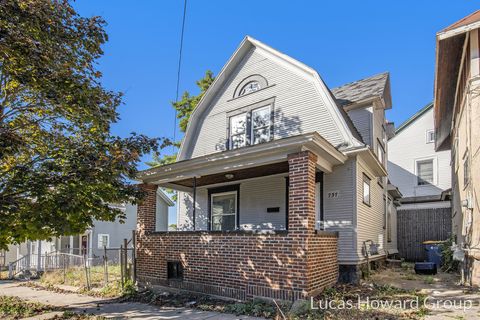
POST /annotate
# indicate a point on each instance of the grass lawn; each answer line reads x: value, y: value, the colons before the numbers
x: 77, y: 277
x: 16, y: 308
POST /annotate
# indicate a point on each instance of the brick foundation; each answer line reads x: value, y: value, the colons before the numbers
x: 286, y: 265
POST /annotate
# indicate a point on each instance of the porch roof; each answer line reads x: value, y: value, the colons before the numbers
x: 259, y: 160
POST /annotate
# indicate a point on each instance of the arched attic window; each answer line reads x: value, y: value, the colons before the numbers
x: 250, y: 84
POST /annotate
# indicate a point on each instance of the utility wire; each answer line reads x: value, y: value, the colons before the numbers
x: 178, y: 70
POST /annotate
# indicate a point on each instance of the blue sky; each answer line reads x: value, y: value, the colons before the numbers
x: 343, y: 40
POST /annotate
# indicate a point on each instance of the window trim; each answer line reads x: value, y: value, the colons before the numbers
x: 380, y: 145
x: 427, y: 136
x: 248, y: 111
x: 435, y: 172
x: 101, y: 235
x: 224, y: 190
x: 366, y: 179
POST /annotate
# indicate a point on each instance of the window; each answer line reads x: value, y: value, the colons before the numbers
x: 174, y: 270
x: 261, y: 125
x: 466, y: 170
x: 103, y: 241
x: 425, y: 172
x: 224, y: 211
x: 380, y: 152
x: 430, y: 136
x: 252, y: 86
x: 366, y: 189
x: 238, y: 130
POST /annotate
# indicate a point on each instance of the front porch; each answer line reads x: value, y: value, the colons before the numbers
x: 246, y: 229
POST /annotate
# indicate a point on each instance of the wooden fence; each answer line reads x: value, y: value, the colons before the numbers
x: 418, y: 225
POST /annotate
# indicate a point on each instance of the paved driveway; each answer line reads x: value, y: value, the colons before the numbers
x: 106, y: 308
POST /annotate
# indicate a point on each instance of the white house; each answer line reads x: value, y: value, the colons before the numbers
x: 422, y: 174
x: 236, y: 174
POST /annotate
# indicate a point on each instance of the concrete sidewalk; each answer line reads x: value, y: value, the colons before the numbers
x: 106, y: 308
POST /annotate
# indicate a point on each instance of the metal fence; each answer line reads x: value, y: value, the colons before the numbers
x: 115, y: 265
x: 419, y: 225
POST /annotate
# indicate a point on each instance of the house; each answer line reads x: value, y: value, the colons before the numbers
x: 92, y: 243
x: 423, y: 176
x: 457, y: 122
x: 281, y: 183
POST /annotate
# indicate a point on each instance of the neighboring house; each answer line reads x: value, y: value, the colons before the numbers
x: 423, y: 176
x: 281, y: 183
x: 91, y: 243
x: 457, y: 123
x: 420, y: 172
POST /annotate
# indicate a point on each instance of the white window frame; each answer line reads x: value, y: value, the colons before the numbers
x: 269, y: 126
x: 427, y: 136
x: 435, y: 171
x: 213, y: 195
x: 100, y: 237
x: 244, y: 114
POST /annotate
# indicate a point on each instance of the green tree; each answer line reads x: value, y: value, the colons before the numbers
x: 184, y: 108
x: 59, y: 165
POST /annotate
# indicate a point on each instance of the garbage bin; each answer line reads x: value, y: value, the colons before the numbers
x: 434, y: 253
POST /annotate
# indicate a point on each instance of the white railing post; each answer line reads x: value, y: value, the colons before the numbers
x: 10, y: 270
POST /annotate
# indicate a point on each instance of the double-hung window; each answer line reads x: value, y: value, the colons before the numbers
x: 260, y: 125
x: 250, y: 128
x: 238, y: 131
x: 425, y: 174
x: 224, y: 211
x: 103, y: 241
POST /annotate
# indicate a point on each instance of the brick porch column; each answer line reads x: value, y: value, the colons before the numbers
x: 146, y: 210
x: 301, y: 202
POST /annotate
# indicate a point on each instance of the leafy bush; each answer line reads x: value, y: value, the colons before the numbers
x: 449, y: 265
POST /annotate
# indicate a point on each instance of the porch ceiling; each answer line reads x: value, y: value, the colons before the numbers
x: 261, y: 171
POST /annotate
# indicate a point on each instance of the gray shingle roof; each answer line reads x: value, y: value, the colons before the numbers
x: 364, y: 89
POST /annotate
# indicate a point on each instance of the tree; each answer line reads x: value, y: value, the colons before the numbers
x: 184, y: 109
x: 60, y: 167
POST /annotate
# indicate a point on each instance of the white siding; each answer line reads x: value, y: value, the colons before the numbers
x: 256, y: 195
x: 370, y: 219
x: 410, y: 145
x: 362, y: 118
x: 298, y: 106
x: 339, y: 212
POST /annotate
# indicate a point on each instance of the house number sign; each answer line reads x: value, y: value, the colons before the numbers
x: 333, y: 194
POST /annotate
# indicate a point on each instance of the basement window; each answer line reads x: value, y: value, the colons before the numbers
x: 174, y: 270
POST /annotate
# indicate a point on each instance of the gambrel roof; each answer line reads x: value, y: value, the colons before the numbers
x: 364, y: 90
x: 346, y: 129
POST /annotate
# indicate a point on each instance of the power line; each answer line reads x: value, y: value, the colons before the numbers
x: 179, y: 68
